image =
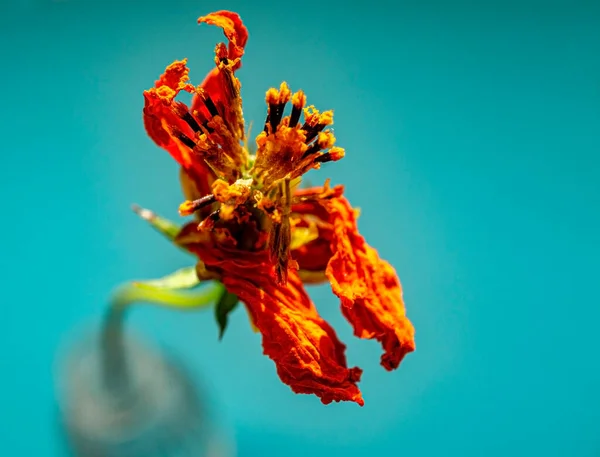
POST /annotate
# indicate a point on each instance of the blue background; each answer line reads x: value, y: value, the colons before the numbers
x: 472, y: 133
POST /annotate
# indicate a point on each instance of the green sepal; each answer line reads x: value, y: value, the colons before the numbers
x: 167, y: 228
x: 176, y: 291
x: 226, y: 304
x: 185, y: 278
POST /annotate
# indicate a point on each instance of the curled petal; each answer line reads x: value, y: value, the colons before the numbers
x: 219, y: 81
x: 161, y: 121
x: 175, y: 76
x: 368, y: 287
x: 233, y: 28
x: 307, y: 353
x: 220, y: 85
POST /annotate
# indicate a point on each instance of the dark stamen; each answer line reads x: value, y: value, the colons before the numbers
x: 267, y: 123
x: 204, y: 201
x: 210, y: 105
x: 295, y: 117
x: 189, y: 120
x: 184, y: 139
x: 311, y: 149
x: 323, y: 158
x: 275, y: 115
x: 312, y: 132
x: 190, y: 207
x: 206, y: 127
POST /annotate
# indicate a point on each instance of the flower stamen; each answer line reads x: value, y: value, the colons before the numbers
x: 183, y: 138
x: 181, y: 110
x: 298, y: 102
x: 315, y: 122
x: 189, y: 207
x: 276, y: 99
x: 208, y: 102
x: 334, y: 154
x: 280, y: 235
x: 209, y: 222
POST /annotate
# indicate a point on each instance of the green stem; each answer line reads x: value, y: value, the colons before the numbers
x: 114, y: 363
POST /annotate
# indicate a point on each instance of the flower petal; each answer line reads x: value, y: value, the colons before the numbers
x: 193, y: 188
x: 369, y: 288
x: 314, y: 255
x: 233, y: 28
x: 307, y: 209
x: 307, y: 353
x: 220, y: 84
x: 160, y: 121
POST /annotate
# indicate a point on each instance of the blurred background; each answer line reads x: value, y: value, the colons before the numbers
x: 472, y: 132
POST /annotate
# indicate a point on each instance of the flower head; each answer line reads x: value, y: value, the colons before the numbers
x: 260, y: 234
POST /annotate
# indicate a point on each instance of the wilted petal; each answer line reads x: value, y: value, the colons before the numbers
x: 369, y: 288
x: 233, y: 28
x: 306, y: 351
x: 308, y: 355
x: 315, y: 254
x: 220, y: 85
x: 307, y: 209
x: 163, y: 124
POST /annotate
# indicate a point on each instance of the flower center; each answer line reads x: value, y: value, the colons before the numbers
x: 265, y: 181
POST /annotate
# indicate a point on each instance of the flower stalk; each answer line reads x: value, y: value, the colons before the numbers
x: 166, y: 292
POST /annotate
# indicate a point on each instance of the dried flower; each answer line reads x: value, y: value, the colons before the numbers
x: 262, y: 236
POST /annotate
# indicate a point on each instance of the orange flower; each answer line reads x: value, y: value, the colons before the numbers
x: 261, y: 235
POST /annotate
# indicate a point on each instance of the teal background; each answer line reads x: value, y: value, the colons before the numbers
x: 472, y: 133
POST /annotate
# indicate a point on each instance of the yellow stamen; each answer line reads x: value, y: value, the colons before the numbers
x: 233, y: 194
x: 187, y: 208
x: 337, y: 153
x: 284, y: 93
x: 326, y: 117
x: 299, y: 99
x: 276, y: 97
x: 326, y: 140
